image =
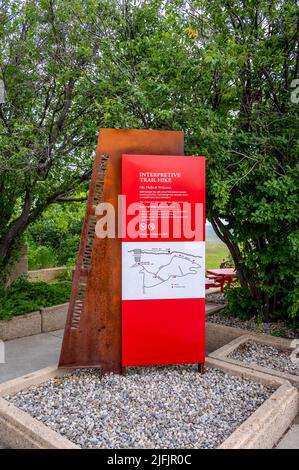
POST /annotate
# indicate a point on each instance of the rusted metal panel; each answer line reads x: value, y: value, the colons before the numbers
x: 92, y: 336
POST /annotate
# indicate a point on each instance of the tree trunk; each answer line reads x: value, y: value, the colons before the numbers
x: 225, y: 236
x: 9, y: 241
x: 247, y: 278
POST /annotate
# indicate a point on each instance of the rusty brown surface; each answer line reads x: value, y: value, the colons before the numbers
x: 92, y: 336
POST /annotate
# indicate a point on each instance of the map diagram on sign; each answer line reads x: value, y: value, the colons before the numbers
x: 163, y: 270
x: 179, y: 265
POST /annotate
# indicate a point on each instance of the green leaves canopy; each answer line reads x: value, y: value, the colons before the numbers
x: 222, y: 71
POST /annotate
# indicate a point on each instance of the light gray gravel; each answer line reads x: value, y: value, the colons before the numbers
x: 275, y: 329
x: 152, y: 407
x: 263, y: 355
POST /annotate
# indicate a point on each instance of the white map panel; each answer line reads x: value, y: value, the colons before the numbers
x: 163, y: 270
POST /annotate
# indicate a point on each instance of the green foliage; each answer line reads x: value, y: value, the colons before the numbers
x: 49, y: 64
x: 67, y: 275
x: 41, y: 257
x: 56, y: 235
x: 278, y: 333
x: 221, y: 71
x: 259, y: 322
x: 68, y: 250
x: 24, y: 297
x: 241, y: 303
x: 252, y: 166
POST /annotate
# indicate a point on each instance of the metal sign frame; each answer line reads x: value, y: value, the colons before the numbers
x: 92, y: 336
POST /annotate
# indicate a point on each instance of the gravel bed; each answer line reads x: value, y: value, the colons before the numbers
x: 263, y: 355
x: 275, y: 329
x: 151, y: 407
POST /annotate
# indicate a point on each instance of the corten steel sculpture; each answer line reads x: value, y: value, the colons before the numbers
x: 92, y: 336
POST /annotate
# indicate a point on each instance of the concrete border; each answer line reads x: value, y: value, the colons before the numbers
x: 262, y: 429
x: 280, y: 343
x: 21, y: 325
x: 41, y: 321
x: 47, y: 274
x: 217, y: 335
x: 18, y: 430
x: 54, y: 318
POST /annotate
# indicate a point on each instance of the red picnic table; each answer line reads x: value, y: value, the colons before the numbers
x: 222, y: 276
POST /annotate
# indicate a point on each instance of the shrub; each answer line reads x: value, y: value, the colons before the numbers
x: 241, y: 303
x: 58, y: 233
x: 25, y: 297
x: 41, y: 257
x: 68, y: 249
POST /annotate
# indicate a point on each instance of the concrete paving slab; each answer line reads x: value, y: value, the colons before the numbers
x: 28, y: 354
x: 290, y: 439
x: 58, y: 333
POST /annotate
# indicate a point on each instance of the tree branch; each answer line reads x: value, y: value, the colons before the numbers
x: 71, y: 199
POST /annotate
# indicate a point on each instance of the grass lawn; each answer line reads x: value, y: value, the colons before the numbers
x: 215, y: 253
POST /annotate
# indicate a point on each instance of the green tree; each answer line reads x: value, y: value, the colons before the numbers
x: 253, y: 183
x: 223, y: 71
x: 50, y: 120
x: 54, y: 238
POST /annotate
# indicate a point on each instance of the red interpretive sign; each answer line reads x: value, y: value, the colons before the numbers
x: 163, y: 260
